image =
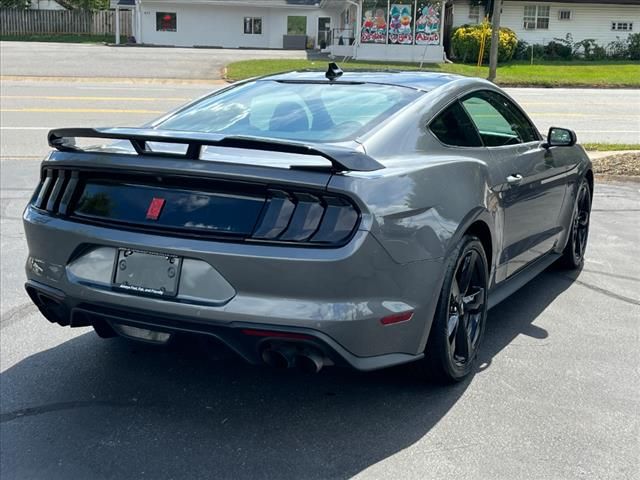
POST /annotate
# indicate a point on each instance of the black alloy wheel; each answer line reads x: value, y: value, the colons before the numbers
x: 573, y: 254
x: 460, y: 319
x: 467, y: 300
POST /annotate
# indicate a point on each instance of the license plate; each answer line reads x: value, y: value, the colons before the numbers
x: 147, y: 273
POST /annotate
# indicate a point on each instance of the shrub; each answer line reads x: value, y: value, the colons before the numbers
x: 556, y: 50
x: 466, y: 42
x: 633, y: 46
x: 618, y: 49
x: 523, y: 51
x: 590, y: 50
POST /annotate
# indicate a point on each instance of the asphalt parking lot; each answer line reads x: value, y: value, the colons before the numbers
x: 555, y: 394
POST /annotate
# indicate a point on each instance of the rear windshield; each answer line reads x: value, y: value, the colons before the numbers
x: 317, y: 112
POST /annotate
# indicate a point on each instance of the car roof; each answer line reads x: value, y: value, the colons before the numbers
x: 413, y: 79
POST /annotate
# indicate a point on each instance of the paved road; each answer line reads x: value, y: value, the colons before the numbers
x: 42, y: 59
x: 597, y: 115
x: 555, y: 395
x: 28, y: 108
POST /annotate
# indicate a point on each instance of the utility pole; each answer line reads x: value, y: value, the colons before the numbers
x: 495, y: 39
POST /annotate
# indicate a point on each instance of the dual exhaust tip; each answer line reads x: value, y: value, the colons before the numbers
x: 281, y: 356
x: 288, y: 356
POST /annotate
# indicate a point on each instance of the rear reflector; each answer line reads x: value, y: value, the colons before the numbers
x: 397, y: 318
x: 269, y: 333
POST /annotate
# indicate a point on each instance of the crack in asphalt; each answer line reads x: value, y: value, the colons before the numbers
x: 14, y: 314
x: 55, y: 407
x: 603, y: 291
x: 614, y: 275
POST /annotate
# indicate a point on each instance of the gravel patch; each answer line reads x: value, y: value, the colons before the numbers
x: 624, y: 164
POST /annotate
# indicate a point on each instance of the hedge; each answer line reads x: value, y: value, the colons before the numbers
x: 466, y: 41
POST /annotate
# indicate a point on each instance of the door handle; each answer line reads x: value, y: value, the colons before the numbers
x: 514, y: 179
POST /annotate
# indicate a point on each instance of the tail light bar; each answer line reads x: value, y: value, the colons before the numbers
x: 302, y: 217
x: 288, y: 216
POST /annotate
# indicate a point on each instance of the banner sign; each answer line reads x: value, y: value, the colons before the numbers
x: 428, y: 23
x: 400, y: 28
x: 374, y: 26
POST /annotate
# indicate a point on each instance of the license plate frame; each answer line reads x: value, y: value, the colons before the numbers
x: 141, y: 272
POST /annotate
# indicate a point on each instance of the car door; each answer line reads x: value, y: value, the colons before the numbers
x: 533, y: 186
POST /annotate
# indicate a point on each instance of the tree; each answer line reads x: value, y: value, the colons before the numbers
x: 84, y: 4
x: 19, y: 4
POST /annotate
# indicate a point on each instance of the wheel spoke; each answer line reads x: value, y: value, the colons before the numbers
x: 466, y: 271
x: 463, y: 342
x: 452, y: 332
x: 475, y: 331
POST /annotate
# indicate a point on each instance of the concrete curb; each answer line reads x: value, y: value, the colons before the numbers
x: 596, y: 155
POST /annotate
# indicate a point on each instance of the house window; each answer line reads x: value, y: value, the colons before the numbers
x: 253, y: 25
x: 564, y: 14
x: 166, y: 22
x: 474, y: 13
x: 536, y: 17
x: 622, y: 26
x: 296, y: 25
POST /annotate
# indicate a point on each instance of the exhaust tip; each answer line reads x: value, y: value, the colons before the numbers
x: 309, y: 362
x: 276, y: 359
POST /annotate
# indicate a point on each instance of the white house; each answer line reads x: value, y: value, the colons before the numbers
x: 233, y: 23
x: 541, y: 21
x: 45, y: 5
x: 400, y: 30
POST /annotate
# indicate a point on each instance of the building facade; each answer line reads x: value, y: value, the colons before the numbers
x: 389, y: 30
x: 542, y: 21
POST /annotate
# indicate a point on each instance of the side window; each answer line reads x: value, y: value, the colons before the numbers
x: 498, y: 120
x: 454, y: 127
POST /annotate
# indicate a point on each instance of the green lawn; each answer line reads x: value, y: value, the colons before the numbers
x: 62, y: 38
x: 548, y: 74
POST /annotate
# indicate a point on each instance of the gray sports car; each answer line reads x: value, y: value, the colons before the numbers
x: 364, y: 219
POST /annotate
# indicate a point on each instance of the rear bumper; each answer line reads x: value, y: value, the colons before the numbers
x: 335, y: 296
x: 238, y: 336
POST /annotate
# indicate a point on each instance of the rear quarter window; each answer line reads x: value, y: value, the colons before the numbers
x: 453, y: 127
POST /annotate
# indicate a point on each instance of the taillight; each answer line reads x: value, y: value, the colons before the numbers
x: 250, y: 213
x: 56, y: 190
x: 306, y: 218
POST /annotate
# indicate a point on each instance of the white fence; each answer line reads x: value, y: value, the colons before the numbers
x: 30, y: 22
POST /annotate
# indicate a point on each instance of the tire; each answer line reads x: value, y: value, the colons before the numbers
x: 455, y: 339
x: 573, y: 253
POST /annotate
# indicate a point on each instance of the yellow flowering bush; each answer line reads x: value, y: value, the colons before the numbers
x: 466, y: 41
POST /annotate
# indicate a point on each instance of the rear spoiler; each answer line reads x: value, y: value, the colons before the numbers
x: 341, y: 158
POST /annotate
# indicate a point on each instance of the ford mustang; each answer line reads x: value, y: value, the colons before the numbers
x: 304, y: 219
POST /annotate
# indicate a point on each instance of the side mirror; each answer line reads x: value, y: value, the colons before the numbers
x: 560, y: 137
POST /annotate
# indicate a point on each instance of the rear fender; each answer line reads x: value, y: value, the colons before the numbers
x: 420, y: 208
